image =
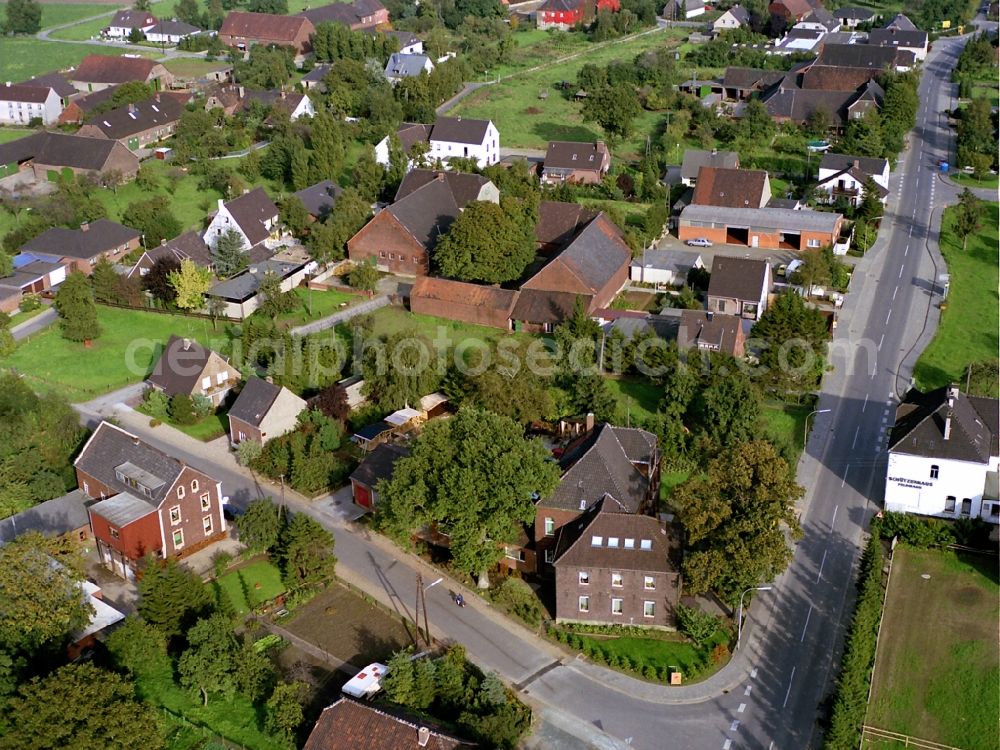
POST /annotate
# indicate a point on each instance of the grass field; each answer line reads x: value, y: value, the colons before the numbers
x: 637, y: 399
x: 390, y: 320
x: 529, y: 122
x: 660, y: 653
x: 251, y: 584
x: 88, y: 29
x: 57, y: 14
x: 12, y: 134
x: 936, y: 676
x: 784, y: 424
x: 967, y: 180
x: 23, y: 57
x: 321, y: 304
x: 213, y: 426
x: 539, y: 46
x: 124, y: 354
x: 968, y: 330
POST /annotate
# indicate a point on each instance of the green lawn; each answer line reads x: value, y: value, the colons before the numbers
x: 209, y: 428
x: 320, y: 303
x: 938, y: 642
x: 12, y: 134
x: 539, y: 46
x: 252, y: 584
x: 88, y: 29
x: 23, y: 57
x: 987, y: 91
x: 967, y: 180
x: 57, y: 14
x: 669, y: 653
x: 637, y: 399
x: 784, y: 425
x: 669, y: 480
x: 529, y: 122
x: 968, y: 330
x: 22, y: 317
x: 233, y: 718
x: 390, y: 320
x: 124, y: 353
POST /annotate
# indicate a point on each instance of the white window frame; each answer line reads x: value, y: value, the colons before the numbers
x: 194, y: 485
x: 206, y: 501
x: 180, y: 492
x: 173, y: 538
x: 207, y: 525
x: 584, y: 578
x: 175, y: 515
x: 620, y: 604
x: 617, y: 580
x: 549, y: 556
x: 648, y: 609
x: 648, y: 583
x: 550, y: 526
x: 583, y: 603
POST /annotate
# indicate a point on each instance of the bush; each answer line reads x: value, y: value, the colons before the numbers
x: 697, y: 625
x: 202, y: 406
x: 220, y: 562
x: 850, y: 699
x: 248, y: 451
x: 517, y: 597
x: 155, y: 403
x: 182, y: 409
x: 30, y: 302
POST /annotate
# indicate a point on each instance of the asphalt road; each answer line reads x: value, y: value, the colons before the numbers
x: 769, y: 695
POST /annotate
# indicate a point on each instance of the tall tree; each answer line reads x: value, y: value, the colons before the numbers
x: 735, y: 518
x: 77, y: 311
x: 306, y: 552
x: 7, y: 342
x: 274, y: 7
x: 793, y: 338
x: 152, y: 218
x: 283, y: 711
x: 209, y: 662
x: 294, y: 215
x: 229, y: 254
x: 138, y: 648
x: 327, y: 141
x: 172, y: 598
x: 105, y: 281
x: 968, y: 216
x: 475, y: 476
x: 157, y: 281
x: 488, y: 242
x: 260, y: 525
x: 188, y: 11
x: 613, y: 108
x: 80, y: 706
x: 400, y: 370
x: 23, y: 17
x: 43, y: 603
x: 190, y: 282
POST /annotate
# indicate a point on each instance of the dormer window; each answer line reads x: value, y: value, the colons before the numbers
x: 646, y: 544
x: 629, y: 543
x: 596, y: 541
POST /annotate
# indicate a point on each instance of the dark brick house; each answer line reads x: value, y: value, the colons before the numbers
x: 52, y: 156
x: 608, y: 460
x: 357, y: 15
x: 139, y: 124
x: 82, y: 248
x: 150, y: 503
x: 618, y: 568
x: 242, y: 30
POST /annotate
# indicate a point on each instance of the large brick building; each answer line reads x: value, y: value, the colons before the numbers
x: 97, y: 72
x: 51, y: 156
x: 137, y: 125
x: 766, y: 228
x: 81, y: 249
x: 242, y: 30
x: 150, y: 503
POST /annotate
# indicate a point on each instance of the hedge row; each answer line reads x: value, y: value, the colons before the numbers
x: 850, y: 700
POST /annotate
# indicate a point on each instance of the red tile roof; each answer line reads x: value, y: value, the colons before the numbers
x: 264, y: 26
x: 113, y: 69
x: 349, y: 725
x: 730, y: 188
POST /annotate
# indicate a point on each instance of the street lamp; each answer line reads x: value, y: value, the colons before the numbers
x: 739, y: 614
x: 805, y: 427
x: 422, y: 601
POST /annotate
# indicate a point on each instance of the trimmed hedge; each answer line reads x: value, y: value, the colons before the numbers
x: 850, y: 700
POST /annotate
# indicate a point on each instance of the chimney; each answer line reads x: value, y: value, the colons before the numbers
x: 221, y: 203
x: 589, y: 422
x: 163, y: 241
x: 709, y: 315
x: 952, y: 395
x: 131, y: 108
x: 135, y: 441
x: 85, y: 226
x: 423, y: 736
x: 857, y: 163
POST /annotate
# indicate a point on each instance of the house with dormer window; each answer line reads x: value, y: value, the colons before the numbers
x: 149, y: 503
x: 570, y: 161
x: 617, y: 568
x: 252, y: 215
x: 186, y: 367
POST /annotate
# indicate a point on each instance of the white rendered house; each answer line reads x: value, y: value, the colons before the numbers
x: 844, y: 175
x: 943, y: 456
x: 448, y: 138
x: 21, y: 103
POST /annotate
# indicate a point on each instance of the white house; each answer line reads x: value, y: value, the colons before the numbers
x: 842, y: 175
x: 910, y: 41
x: 685, y: 10
x: 733, y: 18
x: 448, y: 138
x: 943, y: 456
x: 851, y: 16
x: 21, y: 103
x: 402, y: 66
x: 170, y: 32
x: 670, y: 267
x: 252, y: 215
x: 125, y: 21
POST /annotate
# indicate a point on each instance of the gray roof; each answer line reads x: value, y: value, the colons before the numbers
x: 607, y: 521
x: 852, y: 12
x: 713, y: 328
x: 180, y: 365
x: 571, y: 155
x: 857, y: 56
x: 55, y: 517
x: 784, y: 219
x: 345, y: 13
x: 602, y: 463
x: 60, y: 150
x: 245, y: 285
x: 17, y: 92
x: 678, y: 261
x: 739, y: 278
x: 132, y: 19
x: 596, y: 254
x: 254, y: 400
x: 464, y: 186
x: 402, y: 65
x: 459, y: 130
x: 317, y: 74
x: 173, y: 28
x: 901, y: 22
x: 799, y: 104
x: 130, y: 119
x: 740, y: 13
x: 378, y: 464
x: 695, y: 159
x: 920, y: 423
x: 189, y: 245
x: 122, y: 509
x: 410, y: 133
x: 55, y: 81
x: 99, y: 237
x: 111, y: 447
x: 428, y: 212
x: 823, y: 16
x: 320, y: 198
x: 406, y: 38
x: 250, y: 210
x: 897, y: 38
